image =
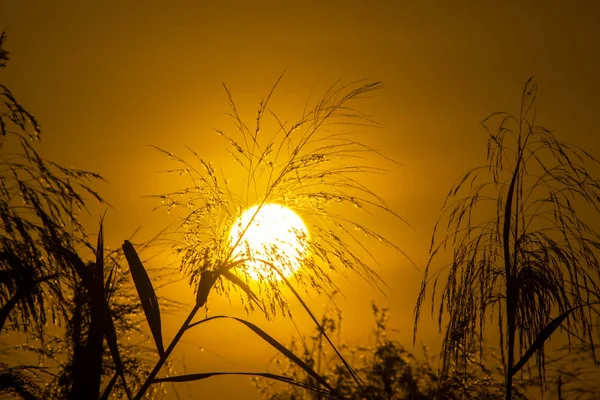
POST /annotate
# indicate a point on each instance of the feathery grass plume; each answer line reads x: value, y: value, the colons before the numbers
x: 39, y: 204
x: 42, y: 243
x: 59, y: 353
x: 311, y: 165
x: 531, y: 259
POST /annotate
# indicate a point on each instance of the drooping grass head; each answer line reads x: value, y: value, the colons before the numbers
x: 311, y: 165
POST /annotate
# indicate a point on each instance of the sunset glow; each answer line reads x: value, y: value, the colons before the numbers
x: 274, y: 234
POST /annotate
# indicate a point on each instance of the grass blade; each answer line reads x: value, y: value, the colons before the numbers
x: 108, y: 389
x: 543, y: 336
x: 111, y: 338
x: 109, y: 284
x: 278, y: 346
x: 87, y: 366
x: 361, y: 385
x: 146, y: 294
x: 205, y: 375
x: 107, y: 324
x: 99, y: 272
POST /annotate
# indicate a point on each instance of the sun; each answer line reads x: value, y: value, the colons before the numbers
x: 273, y: 233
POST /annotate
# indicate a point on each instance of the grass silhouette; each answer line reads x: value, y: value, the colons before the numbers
x: 305, y: 165
x: 531, y: 263
x: 49, y: 296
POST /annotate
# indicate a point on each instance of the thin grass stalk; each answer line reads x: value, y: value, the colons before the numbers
x: 357, y: 379
x: 305, y: 167
x: 150, y: 379
x: 281, y: 348
x: 267, y: 375
x: 511, y: 294
x: 537, y: 256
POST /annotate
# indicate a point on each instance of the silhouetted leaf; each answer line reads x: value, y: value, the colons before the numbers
x: 355, y: 376
x: 99, y: 272
x: 87, y: 372
x: 111, y: 338
x: 107, y: 322
x: 146, y: 294
x: 200, y: 376
x: 278, y: 346
x: 542, y: 337
x: 108, y: 389
x: 109, y: 285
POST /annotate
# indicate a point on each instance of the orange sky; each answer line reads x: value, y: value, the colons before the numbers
x: 106, y: 79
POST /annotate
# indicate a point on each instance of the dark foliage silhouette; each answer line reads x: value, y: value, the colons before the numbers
x: 45, y: 286
x: 529, y: 259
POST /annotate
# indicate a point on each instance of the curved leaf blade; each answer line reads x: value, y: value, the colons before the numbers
x: 543, y: 336
x: 108, y: 325
x: 268, y: 375
x: 145, y: 293
x: 99, y: 272
x: 108, y: 389
x: 278, y: 346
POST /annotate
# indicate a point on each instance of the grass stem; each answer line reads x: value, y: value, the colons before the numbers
x: 163, y: 359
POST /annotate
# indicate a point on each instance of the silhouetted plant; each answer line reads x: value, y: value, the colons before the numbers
x: 39, y: 203
x: 303, y: 166
x: 309, y: 165
x: 22, y: 381
x: 389, y: 370
x: 77, y: 363
x: 43, y: 275
x: 532, y: 262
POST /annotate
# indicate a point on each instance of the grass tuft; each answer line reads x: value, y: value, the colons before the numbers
x: 312, y: 165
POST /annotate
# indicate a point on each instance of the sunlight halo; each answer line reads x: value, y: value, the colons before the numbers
x: 273, y: 233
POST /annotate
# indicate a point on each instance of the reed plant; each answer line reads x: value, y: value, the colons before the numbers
x: 523, y: 245
x: 58, y: 307
x: 313, y: 165
x: 39, y: 204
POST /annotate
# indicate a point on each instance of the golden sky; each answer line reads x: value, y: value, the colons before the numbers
x: 106, y: 79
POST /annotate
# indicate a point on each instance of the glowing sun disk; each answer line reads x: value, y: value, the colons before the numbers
x: 273, y: 233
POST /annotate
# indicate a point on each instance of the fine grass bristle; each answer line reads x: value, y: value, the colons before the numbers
x: 521, y: 244
x: 312, y: 165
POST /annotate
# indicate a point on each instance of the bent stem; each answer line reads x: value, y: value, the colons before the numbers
x: 162, y: 359
x: 353, y: 373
